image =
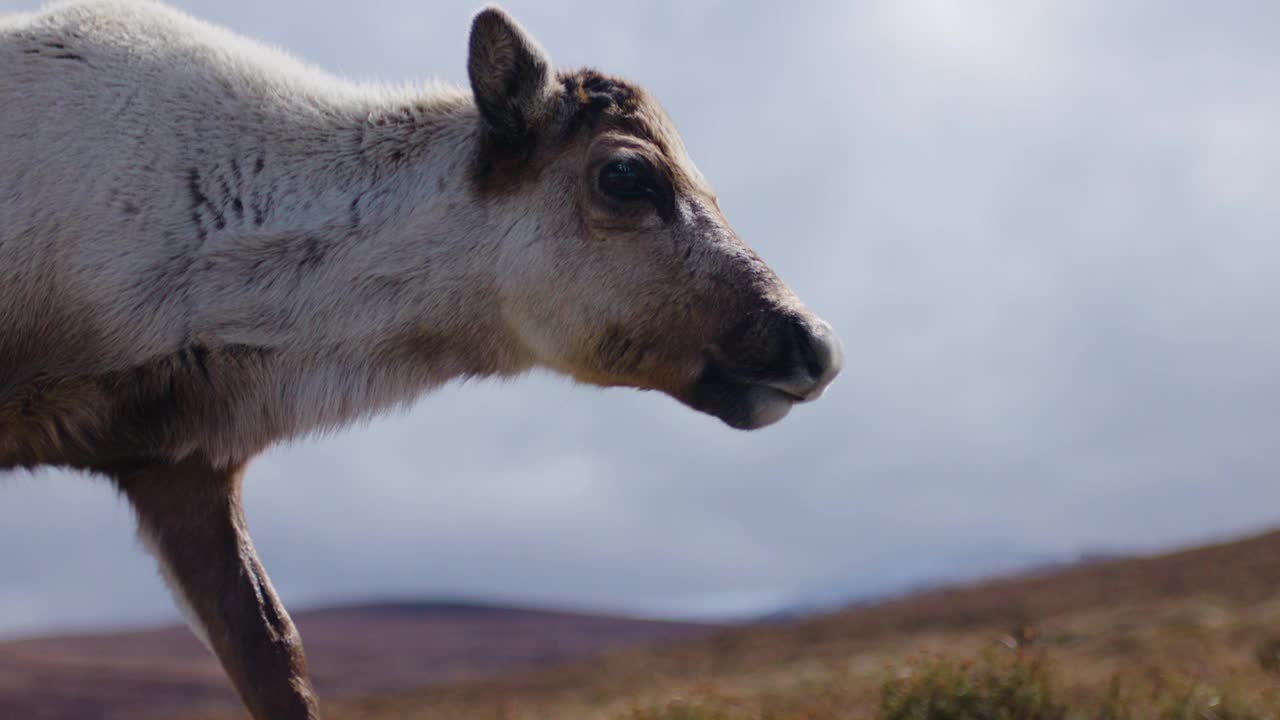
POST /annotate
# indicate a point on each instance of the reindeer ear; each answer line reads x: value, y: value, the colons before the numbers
x: 511, y: 75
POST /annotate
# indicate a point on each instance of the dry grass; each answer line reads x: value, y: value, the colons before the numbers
x: 1190, y: 636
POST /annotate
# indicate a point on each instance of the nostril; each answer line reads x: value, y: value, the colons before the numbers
x: 810, y: 351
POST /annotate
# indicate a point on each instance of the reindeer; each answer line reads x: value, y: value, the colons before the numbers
x: 207, y: 247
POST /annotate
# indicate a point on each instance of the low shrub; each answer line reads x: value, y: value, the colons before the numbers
x: 1014, y: 687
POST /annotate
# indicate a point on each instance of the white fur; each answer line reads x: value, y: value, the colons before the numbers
x: 121, y: 128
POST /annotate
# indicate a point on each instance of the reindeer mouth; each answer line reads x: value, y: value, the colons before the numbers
x: 740, y: 399
x: 750, y: 396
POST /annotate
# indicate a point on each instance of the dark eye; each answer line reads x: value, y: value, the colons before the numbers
x: 626, y: 180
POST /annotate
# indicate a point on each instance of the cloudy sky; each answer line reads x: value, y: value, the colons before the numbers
x: 1047, y: 232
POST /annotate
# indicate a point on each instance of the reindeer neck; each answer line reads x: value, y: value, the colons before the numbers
x: 367, y: 267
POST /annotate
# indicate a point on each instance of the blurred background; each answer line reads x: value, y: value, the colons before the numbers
x: 1047, y: 232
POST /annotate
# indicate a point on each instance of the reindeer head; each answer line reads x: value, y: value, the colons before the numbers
x: 618, y: 267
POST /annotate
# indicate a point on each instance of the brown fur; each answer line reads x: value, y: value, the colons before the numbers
x: 162, y: 409
x: 203, y: 543
x: 587, y: 104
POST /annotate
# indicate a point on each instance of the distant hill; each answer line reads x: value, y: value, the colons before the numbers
x: 351, y: 650
x: 1200, y: 625
x: 840, y: 597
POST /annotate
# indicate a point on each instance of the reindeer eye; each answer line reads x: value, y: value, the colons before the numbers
x: 627, y: 180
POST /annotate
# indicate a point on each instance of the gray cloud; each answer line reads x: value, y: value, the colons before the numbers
x: 1046, y: 232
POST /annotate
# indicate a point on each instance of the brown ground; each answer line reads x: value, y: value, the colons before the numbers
x: 1184, y: 629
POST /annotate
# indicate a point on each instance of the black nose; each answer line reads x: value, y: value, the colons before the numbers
x: 815, y: 357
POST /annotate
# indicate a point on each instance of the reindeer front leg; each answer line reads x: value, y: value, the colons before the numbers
x: 190, y: 513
